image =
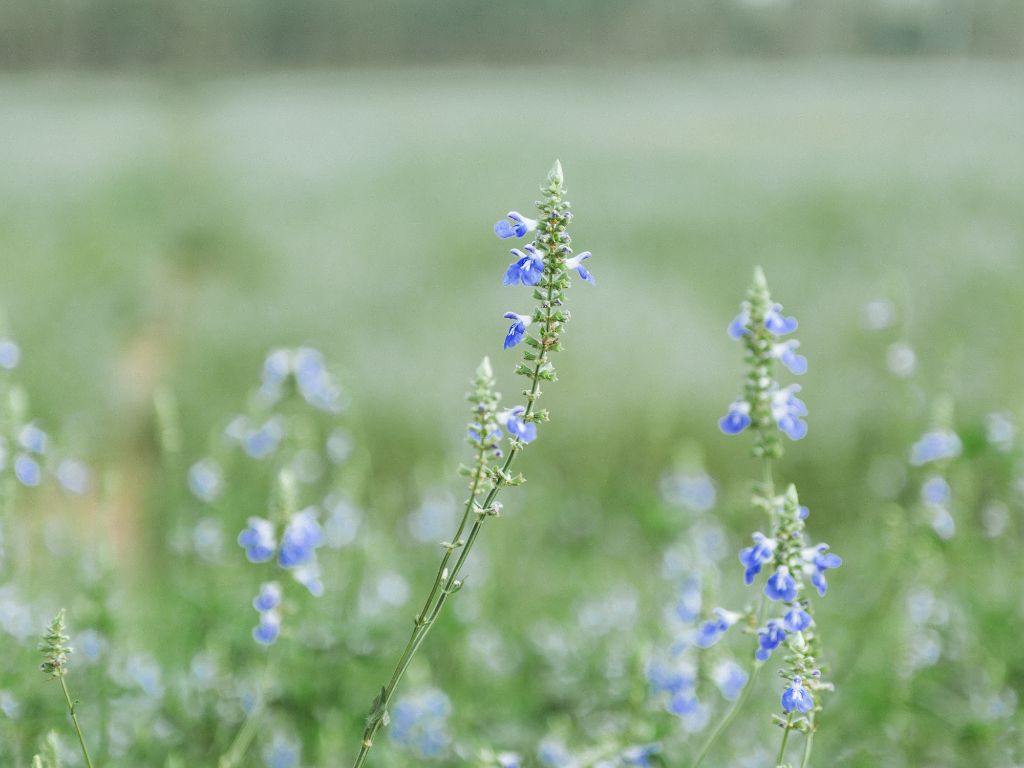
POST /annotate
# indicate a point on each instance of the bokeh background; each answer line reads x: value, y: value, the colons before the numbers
x: 186, y: 185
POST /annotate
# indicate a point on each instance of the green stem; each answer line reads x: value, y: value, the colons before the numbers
x: 247, y: 732
x: 730, y: 715
x: 74, y: 719
x: 785, y: 738
x: 808, y: 743
x: 444, y: 585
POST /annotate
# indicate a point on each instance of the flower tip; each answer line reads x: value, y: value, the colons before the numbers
x: 760, y: 281
x: 484, y: 370
x: 555, y: 174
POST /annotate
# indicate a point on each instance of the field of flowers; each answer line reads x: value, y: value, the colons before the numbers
x: 240, y: 322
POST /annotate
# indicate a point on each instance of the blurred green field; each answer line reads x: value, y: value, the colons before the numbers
x: 163, y: 234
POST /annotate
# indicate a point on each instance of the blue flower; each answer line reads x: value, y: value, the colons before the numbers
x: 934, y: 446
x: 756, y: 556
x: 640, y: 756
x: 817, y: 560
x: 308, y: 575
x: 260, y: 443
x: 787, y: 410
x: 420, y: 723
x: 730, y: 679
x: 276, y: 369
x: 517, y: 330
x: 738, y: 327
x: 796, y: 697
x: 935, y: 490
x: 769, y: 637
x: 528, y: 268
x: 667, y: 678
x: 781, y: 586
x: 516, y: 226
x: 27, y: 470
x: 576, y: 262
x: 688, y: 605
x: 785, y: 352
x: 314, y: 381
x: 10, y: 354
x: 683, y: 703
x: 797, y: 620
x: 775, y: 322
x: 258, y: 540
x: 205, y: 480
x: 711, y: 631
x: 737, y: 419
x: 33, y: 439
x: 301, y: 537
x: 269, y: 597
x: 522, y: 430
x: 508, y: 760
x: 268, y: 629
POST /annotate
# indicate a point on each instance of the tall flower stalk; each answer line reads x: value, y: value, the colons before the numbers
x: 56, y: 652
x: 545, y: 265
x: 784, y: 616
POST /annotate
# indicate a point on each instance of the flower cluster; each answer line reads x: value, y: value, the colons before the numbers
x: 54, y: 647
x: 266, y: 604
x: 765, y: 404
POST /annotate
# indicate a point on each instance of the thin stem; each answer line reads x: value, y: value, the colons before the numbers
x: 74, y: 719
x: 730, y: 715
x: 785, y: 738
x: 444, y: 585
x: 247, y: 732
x: 808, y: 743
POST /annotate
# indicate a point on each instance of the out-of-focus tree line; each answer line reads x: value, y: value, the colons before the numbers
x: 228, y: 34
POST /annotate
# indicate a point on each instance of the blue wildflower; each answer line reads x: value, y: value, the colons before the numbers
x: 205, y: 480
x: 315, y: 383
x: 268, y: 629
x: 276, y: 369
x: 803, y: 513
x: 33, y: 439
x: 282, y: 752
x: 512, y: 421
x: 935, y: 445
x: 775, y: 322
x: 517, y: 330
x: 737, y: 419
x: 796, y: 697
x: 730, y: 679
x: 10, y: 354
x: 785, y: 353
x: 308, y: 575
x: 508, y: 760
x: 739, y: 327
x: 667, y: 678
x: 781, y: 586
x: 419, y: 723
x: 769, y: 637
x: 817, y: 560
x: 935, y: 490
x: 261, y: 443
x: 787, y: 410
x: 797, y: 619
x: 516, y: 226
x: 299, y: 540
x: 683, y: 703
x: 688, y: 605
x: 576, y: 262
x: 640, y: 756
x: 269, y: 597
x: 756, y: 556
x: 27, y: 470
x: 711, y: 631
x: 258, y: 540
x: 528, y: 268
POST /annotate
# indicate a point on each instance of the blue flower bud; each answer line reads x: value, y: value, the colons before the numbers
x: 268, y: 629
x: 776, y: 323
x: 269, y: 597
x: 737, y: 419
x: 781, y: 586
x: 301, y: 537
x: 27, y: 470
x: 576, y: 262
x: 517, y: 226
x: 797, y: 698
x: 258, y: 540
x: 517, y: 330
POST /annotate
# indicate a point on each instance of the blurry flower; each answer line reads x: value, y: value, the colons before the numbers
x: 1000, y: 431
x: 730, y: 679
x: 935, y: 445
x: 775, y: 322
x: 308, y: 575
x: 817, y: 560
x: 339, y: 446
x: 27, y: 470
x: 91, y: 645
x: 205, y: 480
x: 269, y: 627
x: 785, y: 353
x: 694, y: 490
x: 640, y: 756
x: 33, y: 439
x: 258, y: 540
x: 769, y: 637
x: 9, y: 705
x: 516, y: 226
x: 208, y: 538
x: 737, y: 419
x: 300, y: 538
x: 513, y: 422
x: 517, y: 330
x: 710, y: 632
x: 73, y: 476
x: 10, y: 354
x: 738, y: 327
x: 797, y: 620
x: 943, y: 523
x: 901, y: 360
x: 269, y: 597
x: 342, y: 523
x: 753, y: 558
x: 393, y: 589
x: 262, y: 442
x: 419, y: 723
x: 935, y: 490
x: 879, y: 315
x: 281, y: 752
x: 787, y: 410
x: 797, y: 698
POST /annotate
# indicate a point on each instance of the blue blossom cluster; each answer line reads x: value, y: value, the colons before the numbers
x: 419, y: 724
x: 301, y: 536
x: 765, y: 404
x: 306, y: 369
x: 267, y: 603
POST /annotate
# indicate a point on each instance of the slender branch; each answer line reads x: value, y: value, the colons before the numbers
x: 808, y: 743
x: 74, y: 719
x: 785, y: 738
x: 730, y: 715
